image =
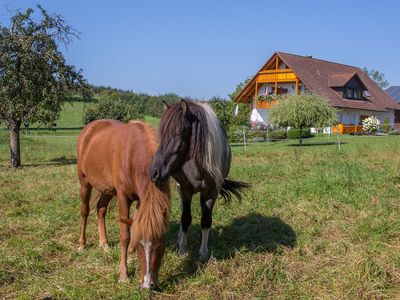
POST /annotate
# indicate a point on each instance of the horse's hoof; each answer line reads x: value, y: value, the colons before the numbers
x: 145, y: 286
x: 203, y: 256
x: 105, y: 247
x: 81, y: 248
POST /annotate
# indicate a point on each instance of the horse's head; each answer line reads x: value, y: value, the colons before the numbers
x: 175, y: 138
x: 147, y: 232
x: 150, y: 254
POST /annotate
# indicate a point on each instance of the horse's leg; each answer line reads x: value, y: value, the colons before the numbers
x: 101, y: 219
x: 124, y: 236
x: 207, y: 204
x: 85, y: 192
x: 186, y: 220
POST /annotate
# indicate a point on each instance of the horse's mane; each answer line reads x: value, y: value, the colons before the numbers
x: 151, y: 219
x: 207, y: 140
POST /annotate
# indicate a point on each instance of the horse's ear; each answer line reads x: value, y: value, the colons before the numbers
x: 126, y: 221
x: 166, y: 105
x: 184, y: 105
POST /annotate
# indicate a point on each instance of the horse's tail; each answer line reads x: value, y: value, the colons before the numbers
x: 151, y: 219
x: 233, y: 188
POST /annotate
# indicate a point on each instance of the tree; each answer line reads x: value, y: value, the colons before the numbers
x: 239, y: 88
x: 112, y: 107
x: 378, y: 77
x: 303, y: 111
x: 34, y: 77
x: 225, y: 111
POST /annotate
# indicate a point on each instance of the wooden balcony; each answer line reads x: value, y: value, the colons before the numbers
x: 265, y: 104
x: 285, y: 75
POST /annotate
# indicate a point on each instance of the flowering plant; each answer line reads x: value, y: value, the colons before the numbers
x: 371, y: 124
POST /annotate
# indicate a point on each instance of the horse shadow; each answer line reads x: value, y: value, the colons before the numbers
x: 251, y: 233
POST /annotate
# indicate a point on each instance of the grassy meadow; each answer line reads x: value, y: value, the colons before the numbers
x: 318, y: 223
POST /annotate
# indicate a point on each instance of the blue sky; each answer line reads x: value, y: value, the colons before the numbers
x: 204, y: 48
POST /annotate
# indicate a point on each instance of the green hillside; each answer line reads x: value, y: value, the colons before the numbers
x: 71, y: 115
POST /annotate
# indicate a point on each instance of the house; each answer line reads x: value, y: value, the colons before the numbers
x: 348, y: 88
x: 394, y: 92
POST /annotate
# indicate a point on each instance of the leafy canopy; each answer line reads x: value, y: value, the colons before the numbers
x: 378, y: 77
x: 113, y: 105
x: 303, y: 111
x: 34, y: 77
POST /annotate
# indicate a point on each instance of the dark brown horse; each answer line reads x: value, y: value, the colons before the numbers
x: 194, y: 150
x: 114, y: 158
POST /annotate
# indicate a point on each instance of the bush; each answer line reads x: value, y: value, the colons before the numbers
x: 278, y: 135
x: 394, y: 132
x: 112, y: 108
x: 235, y: 133
x: 225, y: 113
x: 386, y: 125
x: 294, y: 133
x: 259, y: 136
x: 371, y: 124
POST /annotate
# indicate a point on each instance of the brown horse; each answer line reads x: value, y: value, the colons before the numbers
x: 114, y: 158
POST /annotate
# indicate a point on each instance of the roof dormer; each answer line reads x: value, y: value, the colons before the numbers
x: 348, y: 84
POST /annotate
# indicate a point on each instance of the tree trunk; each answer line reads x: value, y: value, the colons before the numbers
x: 300, y: 136
x: 15, y: 152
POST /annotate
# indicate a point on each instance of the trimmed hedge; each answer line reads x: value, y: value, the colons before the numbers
x: 278, y: 135
x: 294, y: 133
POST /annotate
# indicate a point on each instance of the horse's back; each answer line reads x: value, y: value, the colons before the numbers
x: 92, y: 131
x: 107, y: 150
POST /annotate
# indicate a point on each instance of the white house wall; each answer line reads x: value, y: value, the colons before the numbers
x: 352, y: 116
x: 346, y: 116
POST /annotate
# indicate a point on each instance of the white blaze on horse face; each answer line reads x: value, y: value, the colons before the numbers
x: 204, y: 242
x: 147, y: 276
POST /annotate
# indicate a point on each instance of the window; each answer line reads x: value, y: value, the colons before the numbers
x: 352, y: 94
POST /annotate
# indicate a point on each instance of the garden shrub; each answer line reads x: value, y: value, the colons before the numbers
x: 235, y: 133
x: 278, y: 135
x: 394, y: 132
x: 294, y: 133
x: 386, y: 125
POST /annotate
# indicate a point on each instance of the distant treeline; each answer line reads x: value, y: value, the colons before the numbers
x: 127, y: 105
x: 141, y: 104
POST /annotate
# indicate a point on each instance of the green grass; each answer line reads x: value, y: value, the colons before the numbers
x: 71, y: 115
x: 318, y: 223
x: 153, y: 121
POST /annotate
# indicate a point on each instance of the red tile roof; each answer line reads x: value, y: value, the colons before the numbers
x: 320, y: 76
x: 339, y: 79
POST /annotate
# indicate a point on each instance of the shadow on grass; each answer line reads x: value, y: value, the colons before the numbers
x: 59, y: 161
x: 316, y: 144
x: 53, y: 129
x: 251, y: 233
